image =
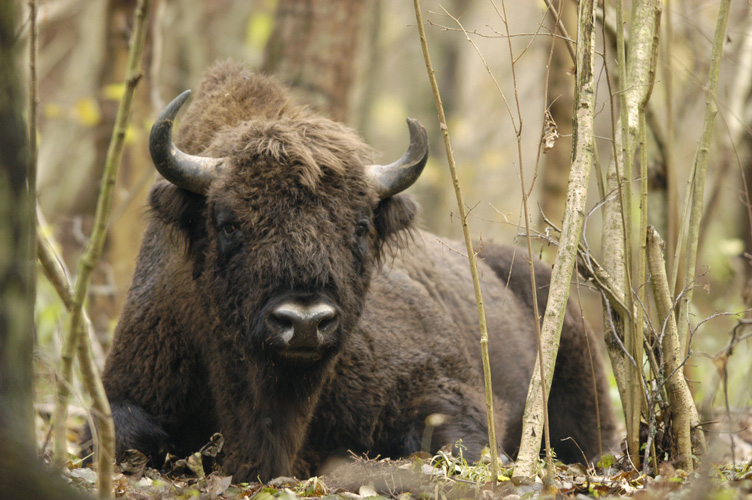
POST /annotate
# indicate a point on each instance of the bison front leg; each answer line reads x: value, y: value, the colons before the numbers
x: 263, y: 443
x: 259, y: 454
x: 135, y: 428
x: 263, y: 416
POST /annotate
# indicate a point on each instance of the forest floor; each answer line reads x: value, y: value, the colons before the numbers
x: 726, y: 474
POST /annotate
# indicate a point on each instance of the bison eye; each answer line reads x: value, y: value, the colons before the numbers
x: 229, y: 239
x: 361, y: 229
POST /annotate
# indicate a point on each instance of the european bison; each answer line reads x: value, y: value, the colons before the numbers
x: 283, y: 297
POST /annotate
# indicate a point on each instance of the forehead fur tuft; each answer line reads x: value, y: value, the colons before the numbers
x: 309, y: 147
x: 228, y: 94
x: 252, y: 119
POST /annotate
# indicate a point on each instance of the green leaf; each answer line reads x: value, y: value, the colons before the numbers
x: 606, y: 461
x: 263, y: 495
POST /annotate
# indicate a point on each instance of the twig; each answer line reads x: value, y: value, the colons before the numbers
x: 517, y: 128
x: 582, y: 158
x: 560, y: 25
x: 73, y: 341
x: 632, y: 404
x: 468, y: 242
x: 681, y: 237
x: 497, y: 34
x: 542, y: 366
x: 700, y: 165
x: 740, y: 89
x: 56, y: 273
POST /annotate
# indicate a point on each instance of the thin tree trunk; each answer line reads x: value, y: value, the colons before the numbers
x: 700, y: 169
x: 582, y: 159
x: 555, y: 172
x: 76, y: 340
x: 114, y: 270
x: 684, y: 417
x: 669, y: 189
x: 635, y: 84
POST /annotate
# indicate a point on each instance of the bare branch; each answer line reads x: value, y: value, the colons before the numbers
x: 468, y: 242
x: 583, y: 142
x: 74, y: 340
x: 700, y: 166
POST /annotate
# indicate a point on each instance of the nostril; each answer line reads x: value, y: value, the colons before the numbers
x: 323, y: 319
x: 328, y: 324
x: 281, y: 324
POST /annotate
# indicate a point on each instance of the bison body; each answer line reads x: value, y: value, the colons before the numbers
x: 283, y: 297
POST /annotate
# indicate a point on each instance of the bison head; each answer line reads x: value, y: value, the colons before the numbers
x: 284, y: 217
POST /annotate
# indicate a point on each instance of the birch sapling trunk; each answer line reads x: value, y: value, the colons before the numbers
x: 684, y: 417
x: 574, y: 214
x: 636, y: 73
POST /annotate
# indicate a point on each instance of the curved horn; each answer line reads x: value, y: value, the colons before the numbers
x: 400, y: 175
x: 194, y: 173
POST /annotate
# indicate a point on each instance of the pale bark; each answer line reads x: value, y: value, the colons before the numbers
x: 582, y: 159
x: 684, y: 418
x: 635, y: 76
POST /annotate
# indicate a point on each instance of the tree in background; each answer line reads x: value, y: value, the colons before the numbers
x: 555, y: 168
x: 313, y: 48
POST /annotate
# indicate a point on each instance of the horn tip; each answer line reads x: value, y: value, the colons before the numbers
x: 180, y: 100
x: 416, y: 128
x: 169, y: 113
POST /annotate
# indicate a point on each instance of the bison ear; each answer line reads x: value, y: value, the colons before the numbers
x: 393, y: 218
x: 185, y: 213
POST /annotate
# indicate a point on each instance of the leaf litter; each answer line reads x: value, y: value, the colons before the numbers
x: 444, y: 476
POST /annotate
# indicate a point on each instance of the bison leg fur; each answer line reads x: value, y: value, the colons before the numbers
x: 138, y: 429
x: 457, y: 413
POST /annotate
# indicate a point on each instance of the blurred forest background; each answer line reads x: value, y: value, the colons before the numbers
x: 360, y: 62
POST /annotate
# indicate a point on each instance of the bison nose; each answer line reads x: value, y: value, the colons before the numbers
x: 303, y: 326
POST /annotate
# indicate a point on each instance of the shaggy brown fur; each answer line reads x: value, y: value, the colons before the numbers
x: 295, y: 216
